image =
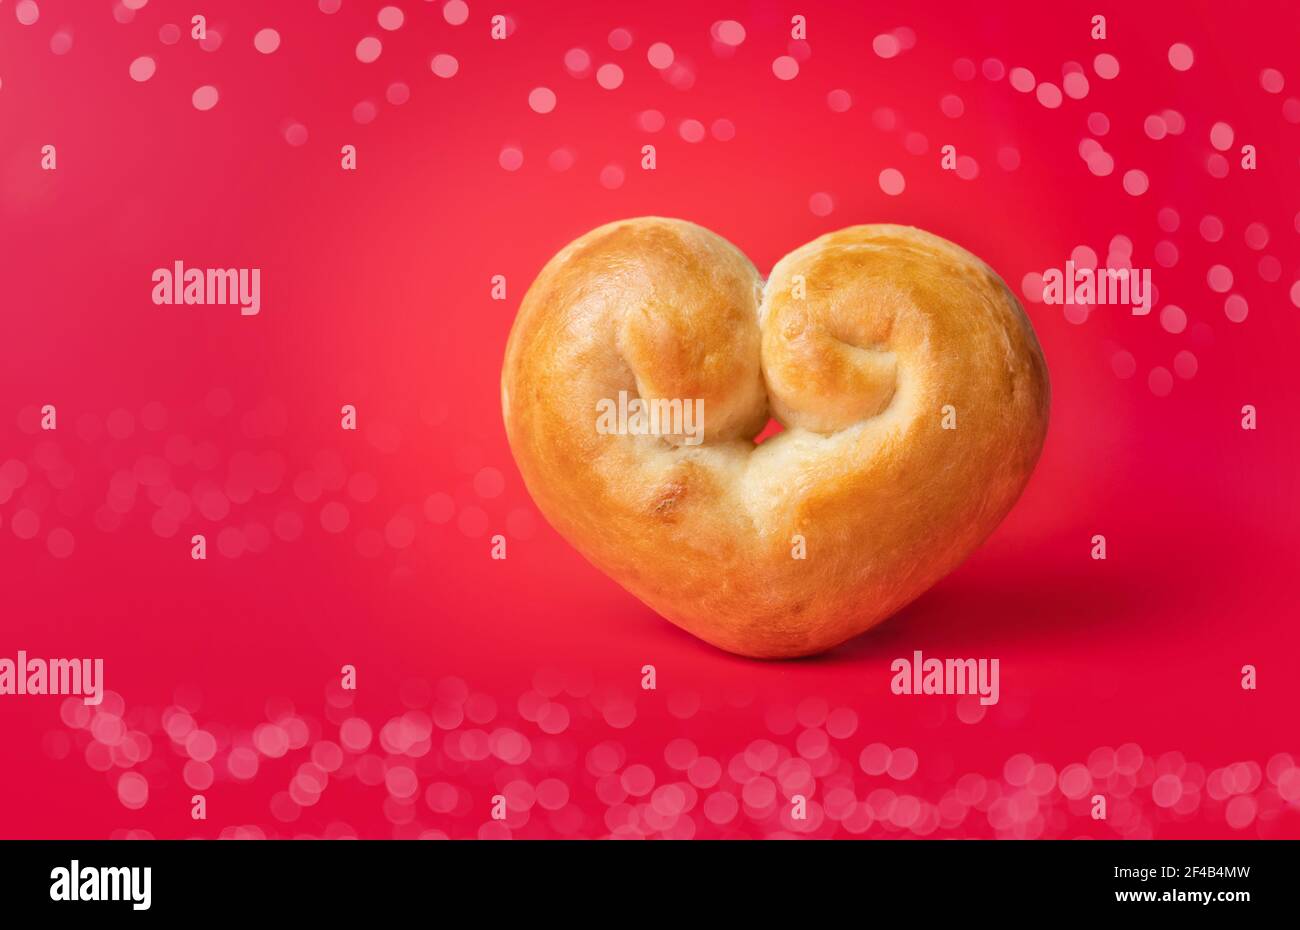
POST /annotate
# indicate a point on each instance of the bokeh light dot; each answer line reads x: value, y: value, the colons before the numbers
x: 369, y: 49
x: 821, y: 204
x: 334, y: 517
x: 398, y: 93
x: 266, y: 41
x: 1256, y: 236
x: 611, y: 177
x: 1181, y: 56
x: 1135, y: 182
x: 1166, y: 790
x: 1173, y: 319
x: 729, y: 32
x: 609, y: 76
x: 839, y: 101
x: 651, y: 120
x: 1101, y: 164
x: 1185, y: 365
x: 785, y: 68
x: 1106, y: 65
x: 1221, y: 136
x: 1076, y: 85
x: 511, y: 158
x: 892, y: 182
x: 886, y: 45
x: 560, y: 160
x: 1240, y: 812
x: 1031, y: 285
x: 1049, y: 95
x: 577, y: 62
x: 541, y: 99
x: 1022, y: 79
x: 444, y: 65
x: 143, y: 68
x: 660, y: 55
x: 691, y: 130
x: 455, y: 12
x: 205, y: 97
x: 1160, y: 381
x: 903, y: 764
x: 489, y: 482
x: 60, y: 543
x: 724, y: 130
x: 1219, y: 277
x: 133, y: 790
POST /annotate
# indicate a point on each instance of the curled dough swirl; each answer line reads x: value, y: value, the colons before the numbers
x: 869, y: 345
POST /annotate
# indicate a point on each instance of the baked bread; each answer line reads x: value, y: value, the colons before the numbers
x: 909, y: 381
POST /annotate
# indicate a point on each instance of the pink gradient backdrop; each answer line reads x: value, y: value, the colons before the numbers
x: 522, y: 676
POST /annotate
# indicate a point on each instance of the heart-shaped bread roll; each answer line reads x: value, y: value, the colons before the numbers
x: 909, y: 381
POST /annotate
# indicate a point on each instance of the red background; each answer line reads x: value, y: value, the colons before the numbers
x: 375, y: 292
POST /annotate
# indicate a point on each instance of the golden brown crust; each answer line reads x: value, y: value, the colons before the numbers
x: 857, y: 344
